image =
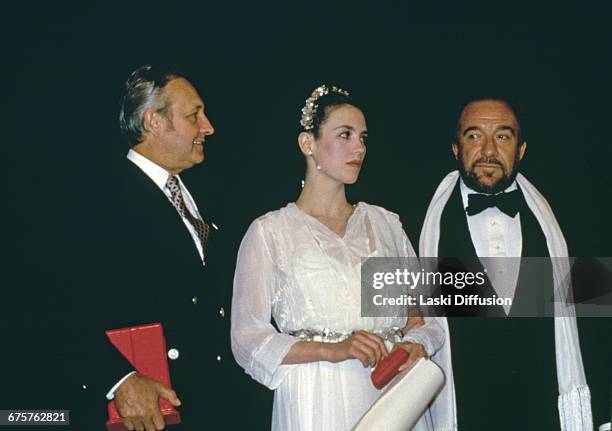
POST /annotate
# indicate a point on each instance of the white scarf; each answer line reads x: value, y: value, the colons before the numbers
x: 574, y: 400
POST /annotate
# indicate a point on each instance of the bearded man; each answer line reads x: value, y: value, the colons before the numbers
x: 506, y: 373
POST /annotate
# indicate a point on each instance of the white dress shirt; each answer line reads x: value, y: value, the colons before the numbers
x: 496, y: 235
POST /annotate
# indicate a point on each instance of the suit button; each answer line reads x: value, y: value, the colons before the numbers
x: 84, y: 386
x: 194, y: 300
x: 218, y: 358
x: 173, y: 354
x: 222, y: 312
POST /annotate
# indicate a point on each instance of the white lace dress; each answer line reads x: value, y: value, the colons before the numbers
x: 294, y: 269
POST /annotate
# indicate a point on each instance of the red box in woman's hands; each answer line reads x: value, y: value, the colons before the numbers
x: 388, y: 367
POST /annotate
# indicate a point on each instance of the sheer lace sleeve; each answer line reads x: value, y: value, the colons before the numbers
x: 257, y: 346
x: 431, y: 335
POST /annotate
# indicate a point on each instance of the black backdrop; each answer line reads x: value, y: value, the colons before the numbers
x: 254, y: 64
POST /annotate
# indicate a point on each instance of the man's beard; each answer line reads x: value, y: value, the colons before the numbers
x: 470, y: 179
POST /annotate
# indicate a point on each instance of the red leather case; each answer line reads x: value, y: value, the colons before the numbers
x: 145, y: 348
x: 388, y: 368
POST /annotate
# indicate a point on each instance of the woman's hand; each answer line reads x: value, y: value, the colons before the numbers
x: 362, y: 345
x: 413, y: 322
x: 415, y: 351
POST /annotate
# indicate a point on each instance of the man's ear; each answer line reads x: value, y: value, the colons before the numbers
x: 456, y: 151
x: 306, y: 143
x: 522, y: 150
x: 154, y: 122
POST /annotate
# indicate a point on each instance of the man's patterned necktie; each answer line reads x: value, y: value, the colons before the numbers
x: 200, y: 226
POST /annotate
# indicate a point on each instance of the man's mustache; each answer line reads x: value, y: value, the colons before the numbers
x: 487, y: 160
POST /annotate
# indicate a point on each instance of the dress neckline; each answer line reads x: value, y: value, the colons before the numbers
x: 316, y: 221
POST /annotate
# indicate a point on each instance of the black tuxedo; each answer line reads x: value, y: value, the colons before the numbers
x: 504, y: 368
x: 145, y: 268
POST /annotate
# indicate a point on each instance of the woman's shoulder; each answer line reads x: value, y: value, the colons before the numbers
x: 379, y: 212
x: 275, y: 229
x: 389, y: 226
x: 274, y: 218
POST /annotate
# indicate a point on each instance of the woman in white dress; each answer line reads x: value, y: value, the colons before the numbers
x: 300, y: 265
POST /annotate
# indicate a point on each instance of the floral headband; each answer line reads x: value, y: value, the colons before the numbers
x: 310, y: 108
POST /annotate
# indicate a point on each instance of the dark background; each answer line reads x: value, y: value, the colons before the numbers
x: 254, y: 64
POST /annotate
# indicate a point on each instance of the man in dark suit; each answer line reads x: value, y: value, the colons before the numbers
x: 159, y: 259
x: 509, y: 373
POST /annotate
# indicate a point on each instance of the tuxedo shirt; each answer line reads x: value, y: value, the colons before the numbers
x: 497, y: 235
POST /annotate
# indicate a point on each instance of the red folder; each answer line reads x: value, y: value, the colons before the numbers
x: 145, y: 347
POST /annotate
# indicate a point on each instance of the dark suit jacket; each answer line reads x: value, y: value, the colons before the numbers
x: 144, y: 268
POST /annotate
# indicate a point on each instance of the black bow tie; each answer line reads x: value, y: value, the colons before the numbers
x: 507, y: 202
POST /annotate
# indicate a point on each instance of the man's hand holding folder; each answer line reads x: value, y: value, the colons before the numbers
x: 144, y: 401
x: 137, y: 401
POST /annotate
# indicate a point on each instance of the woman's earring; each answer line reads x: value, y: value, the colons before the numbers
x: 318, y: 165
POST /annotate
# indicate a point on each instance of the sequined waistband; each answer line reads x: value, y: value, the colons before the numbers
x: 393, y: 334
